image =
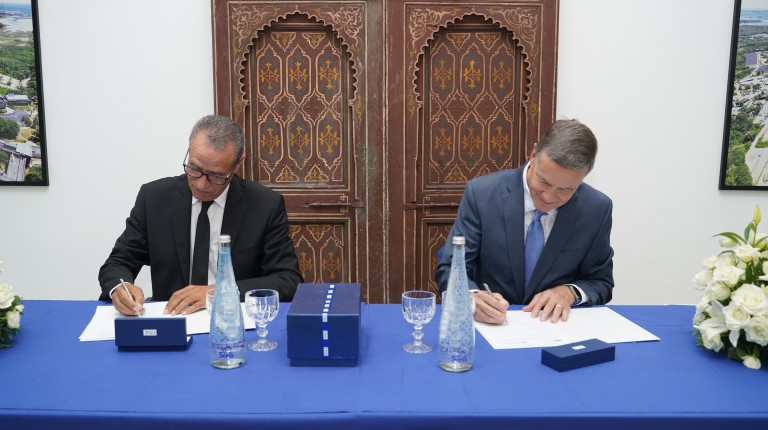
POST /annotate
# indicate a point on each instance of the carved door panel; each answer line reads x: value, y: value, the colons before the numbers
x: 475, y: 91
x: 370, y: 116
x: 294, y: 75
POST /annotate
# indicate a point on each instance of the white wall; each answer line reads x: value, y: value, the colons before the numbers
x: 125, y: 81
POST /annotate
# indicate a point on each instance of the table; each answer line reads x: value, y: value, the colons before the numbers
x: 50, y: 380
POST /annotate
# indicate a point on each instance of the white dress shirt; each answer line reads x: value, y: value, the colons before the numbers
x: 215, y: 216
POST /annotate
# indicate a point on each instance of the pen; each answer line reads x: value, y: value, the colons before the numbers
x: 125, y: 287
x: 487, y: 288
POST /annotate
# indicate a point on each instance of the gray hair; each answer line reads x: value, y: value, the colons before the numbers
x: 220, y: 131
x: 570, y: 144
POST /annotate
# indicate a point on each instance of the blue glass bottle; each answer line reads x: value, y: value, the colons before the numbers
x: 456, y: 344
x: 227, y: 335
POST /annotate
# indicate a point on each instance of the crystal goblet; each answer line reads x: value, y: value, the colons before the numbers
x: 262, y: 305
x: 418, y: 309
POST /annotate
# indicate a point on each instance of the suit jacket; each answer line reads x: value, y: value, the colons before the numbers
x: 491, y: 218
x: 157, y: 234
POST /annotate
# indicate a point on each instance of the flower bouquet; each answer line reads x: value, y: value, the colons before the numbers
x: 10, y: 313
x: 733, y: 313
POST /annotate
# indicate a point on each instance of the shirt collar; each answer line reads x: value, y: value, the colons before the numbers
x: 221, y: 200
x: 527, y: 199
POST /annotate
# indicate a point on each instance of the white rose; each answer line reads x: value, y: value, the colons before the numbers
x: 712, y: 329
x: 20, y: 308
x: 703, y: 278
x: 710, y: 262
x: 757, y: 330
x: 13, y: 318
x: 747, y: 253
x: 729, y: 275
x: 6, y: 296
x: 736, y: 317
x: 703, y: 305
x: 710, y: 334
x: 725, y: 259
x: 720, y: 291
x: 751, y: 362
x: 752, y: 298
x: 727, y: 243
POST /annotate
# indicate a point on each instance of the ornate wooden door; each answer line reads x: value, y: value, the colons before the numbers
x: 370, y: 116
x: 473, y: 94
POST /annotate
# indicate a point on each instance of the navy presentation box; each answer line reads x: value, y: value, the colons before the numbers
x: 579, y: 354
x: 151, y: 334
x: 324, y: 325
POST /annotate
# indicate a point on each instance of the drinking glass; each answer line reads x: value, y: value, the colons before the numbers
x: 209, y: 300
x: 262, y: 306
x: 418, y: 309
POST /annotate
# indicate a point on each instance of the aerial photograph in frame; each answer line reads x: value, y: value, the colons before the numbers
x: 22, y: 131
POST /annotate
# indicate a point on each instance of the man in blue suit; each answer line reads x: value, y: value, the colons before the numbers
x: 575, y: 266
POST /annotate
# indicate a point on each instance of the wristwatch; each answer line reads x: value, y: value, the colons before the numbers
x: 576, y: 295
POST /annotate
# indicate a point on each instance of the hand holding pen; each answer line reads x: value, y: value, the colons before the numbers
x: 490, y: 308
x: 129, y: 304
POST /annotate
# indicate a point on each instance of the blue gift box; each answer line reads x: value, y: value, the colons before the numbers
x: 579, y: 354
x: 151, y: 334
x: 324, y: 325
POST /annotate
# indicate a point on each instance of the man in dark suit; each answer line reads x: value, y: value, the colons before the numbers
x: 162, y: 228
x: 575, y: 265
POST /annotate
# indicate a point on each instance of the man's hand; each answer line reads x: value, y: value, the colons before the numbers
x: 554, y: 303
x: 125, y: 304
x: 187, y: 300
x: 491, y: 309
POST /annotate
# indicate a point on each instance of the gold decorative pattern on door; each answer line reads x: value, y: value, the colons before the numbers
x: 476, y: 94
x: 370, y: 116
x: 295, y: 83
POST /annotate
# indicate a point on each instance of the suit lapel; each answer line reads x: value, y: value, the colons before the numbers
x: 182, y: 209
x: 512, y: 204
x: 234, y: 211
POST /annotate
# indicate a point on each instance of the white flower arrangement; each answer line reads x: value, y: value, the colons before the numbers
x: 11, y: 308
x: 733, y: 313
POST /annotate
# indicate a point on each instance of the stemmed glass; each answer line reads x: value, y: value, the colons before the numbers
x: 262, y: 306
x: 418, y: 309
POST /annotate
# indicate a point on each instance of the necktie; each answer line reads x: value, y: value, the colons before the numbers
x: 202, y: 243
x: 534, y: 243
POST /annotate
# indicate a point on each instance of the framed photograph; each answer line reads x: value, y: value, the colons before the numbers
x: 22, y: 126
x: 744, y: 159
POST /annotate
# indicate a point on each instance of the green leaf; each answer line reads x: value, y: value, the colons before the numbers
x: 732, y: 236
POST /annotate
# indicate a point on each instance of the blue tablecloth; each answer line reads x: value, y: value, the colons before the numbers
x: 49, y: 379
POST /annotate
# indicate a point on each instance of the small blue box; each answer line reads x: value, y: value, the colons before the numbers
x: 151, y: 334
x: 579, y: 354
x: 324, y: 325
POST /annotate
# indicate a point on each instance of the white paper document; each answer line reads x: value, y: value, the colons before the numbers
x: 522, y: 331
x: 102, y: 325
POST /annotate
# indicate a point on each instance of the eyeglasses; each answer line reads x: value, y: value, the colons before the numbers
x: 213, y: 178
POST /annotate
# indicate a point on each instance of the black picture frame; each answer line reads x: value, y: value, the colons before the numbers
x: 744, y: 158
x: 23, y: 159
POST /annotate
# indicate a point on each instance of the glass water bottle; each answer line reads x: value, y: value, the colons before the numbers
x: 456, y: 345
x: 227, y: 335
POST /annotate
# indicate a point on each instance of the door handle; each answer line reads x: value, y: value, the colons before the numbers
x: 416, y: 206
x: 333, y: 205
